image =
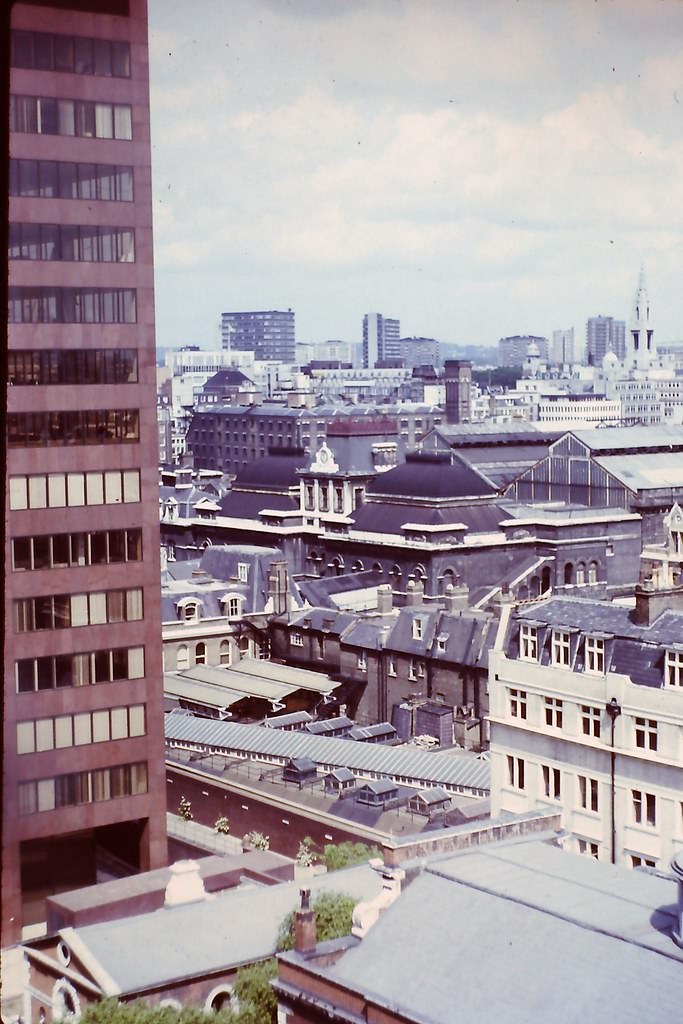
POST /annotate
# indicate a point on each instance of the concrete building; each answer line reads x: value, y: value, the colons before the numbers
x: 82, y: 762
x: 513, y: 350
x: 458, y: 382
x: 563, y: 349
x: 604, y: 334
x: 381, y: 339
x: 269, y: 334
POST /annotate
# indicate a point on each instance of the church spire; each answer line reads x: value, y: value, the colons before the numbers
x: 640, y: 348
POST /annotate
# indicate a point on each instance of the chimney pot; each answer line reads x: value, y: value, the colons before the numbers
x: 305, y: 937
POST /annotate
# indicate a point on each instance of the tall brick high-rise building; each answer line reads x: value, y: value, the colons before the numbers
x: 83, y: 767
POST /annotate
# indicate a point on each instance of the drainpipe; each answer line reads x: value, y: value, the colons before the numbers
x: 613, y: 709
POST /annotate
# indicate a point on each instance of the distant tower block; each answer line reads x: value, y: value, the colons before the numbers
x: 458, y: 379
x: 641, y: 351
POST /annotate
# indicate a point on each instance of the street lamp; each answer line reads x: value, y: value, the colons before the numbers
x: 613, y: 709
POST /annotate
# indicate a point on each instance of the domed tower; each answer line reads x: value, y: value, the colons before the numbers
x: 641, y: 350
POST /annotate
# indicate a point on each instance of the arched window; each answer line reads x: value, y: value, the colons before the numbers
x: 66, y: 1005
x: 357, y: 566
x: 337, y: 565
x: 447, y: 579
x: 419, y: 573
x: 200, y: 653
x: 568, y: 572
x: 593, y: 572
x: 580, y: 574
x: 545, y: 579
x: 224, y: 653
x: 183, y: 657
x: 395, y: 573
x: 232, y: 605
x: 188, y: 609
x: 221, y: 998
x: 377, y: 567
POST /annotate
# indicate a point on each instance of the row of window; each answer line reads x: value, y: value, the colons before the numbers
x: 72, y: 366
x: 64, y: 179
x: 78, y: 730
x: 74, y: 490
x: 64, y: 611
x: 58, y: 550
x: 643, y: 804
x: 71, y: 242
x: 80, y: 55
x: 593, y: 649
x: 45, y: 115
x: 48, y: 305
x: 82, y: 787
x: 645, y: 729
x: 79, y: 426
x: 85, y: 668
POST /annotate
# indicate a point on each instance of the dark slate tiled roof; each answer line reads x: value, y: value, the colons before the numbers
x: 273, y: 471
x: 432, y: 477
x: 248, y: 504
x: 321, y: 591
x: 383, y: 517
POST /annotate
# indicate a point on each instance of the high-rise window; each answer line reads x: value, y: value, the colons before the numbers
x: 62, y: 179
x: 45, y: 115
x: 71, y: 243
x: 79, y: 55
x: 82, y: 426
x: 72, y: 366
x: 47, y: 305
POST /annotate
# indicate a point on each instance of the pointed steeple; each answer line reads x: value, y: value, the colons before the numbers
x: 640, y: 346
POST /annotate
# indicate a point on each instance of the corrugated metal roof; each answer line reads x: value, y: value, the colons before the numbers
x: 416, y: 765
x: 301, y: 678
x: 641, y: 472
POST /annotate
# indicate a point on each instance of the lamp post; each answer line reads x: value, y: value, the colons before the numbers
x: 613, y: 709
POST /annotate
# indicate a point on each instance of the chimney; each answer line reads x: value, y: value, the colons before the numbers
x: 414, y: 593
x: 456, y: 597
x: 278, y: 587
x: 305, y: 939
x: 677, y: 869
x: 385, y: 598
x: 653, y: 599
x: 185, y: 884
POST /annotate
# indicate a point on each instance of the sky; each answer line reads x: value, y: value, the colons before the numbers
x: 474, y: 169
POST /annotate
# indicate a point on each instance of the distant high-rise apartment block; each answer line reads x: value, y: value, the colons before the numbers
x: 604, y: 334
x: 381, y: 339
x: 83, y: 743
x: 513, y: 350
x: 269, y: 334
x: 563, y: 351
x: 419, y: 351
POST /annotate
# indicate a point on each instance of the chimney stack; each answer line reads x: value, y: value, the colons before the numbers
x: 305, y: 938
x: 414, y: 593
x: 385, y: 598
x: 185, y: 884
x: 456, y: 596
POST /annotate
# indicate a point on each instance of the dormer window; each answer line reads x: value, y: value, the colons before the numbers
x: 243, y: 571
x: 441, y: 642
x: 297, y: 640
x: 232, y: 605
x: 595, y: 655
x: 188, y: 610
x: 417, y: 629
x: 560, y: 647
x: 528, y: 642
x: 673, y: 668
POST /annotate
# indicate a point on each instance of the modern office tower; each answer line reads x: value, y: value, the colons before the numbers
x: 604, y: 334
x: 458, y: 380
x: 641, y: 349
x: 381, y: 338
x: 269, y: 334
x: 563, y: 349
x: 513, y: 350
x: 83, y: 763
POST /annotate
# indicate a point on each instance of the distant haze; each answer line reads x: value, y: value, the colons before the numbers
x: 474, y: 169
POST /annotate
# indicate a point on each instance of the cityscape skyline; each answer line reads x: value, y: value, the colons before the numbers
x: 473, y: 171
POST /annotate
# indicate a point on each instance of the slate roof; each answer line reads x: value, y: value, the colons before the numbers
x: 243, y: 504
x: 635, y: 651
x: 428, y: 476
x: 273, y: 471
x: 321, y: 591
x: 377, y: 516
x: 549, y: 936
x: 182, y: 942
x: 329, y: 752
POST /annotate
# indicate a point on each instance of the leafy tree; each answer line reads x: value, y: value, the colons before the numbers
x: 333, y: 918
x: 344, y: 855
x: 110, y: 1011
x: 257, y: 1001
